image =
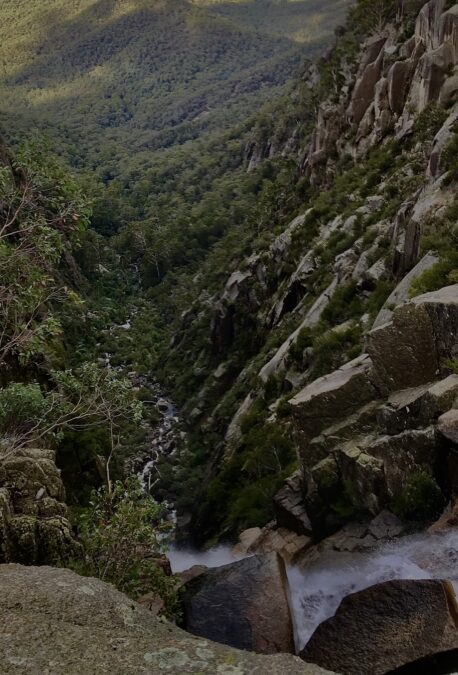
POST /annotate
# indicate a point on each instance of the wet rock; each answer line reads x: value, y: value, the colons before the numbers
x: 99, y: 630
x: 248, y: 539
x: 289, y: 506
x: 448, y: 425
x: 447, y: 521
x: 385, y: 627
x: 386, y: 526
x: 244, y: 605
x: 191, y: 573
x: 272, y: 539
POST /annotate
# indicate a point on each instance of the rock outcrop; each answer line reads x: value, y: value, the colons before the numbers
x: 387, y: 626
x: 33, y: 516
x: 244, y: 605
x: 364, y: 430
x: 54, y: 621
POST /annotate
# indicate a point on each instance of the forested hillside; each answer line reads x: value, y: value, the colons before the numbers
x: 113, y: 78
x: 229, y: 311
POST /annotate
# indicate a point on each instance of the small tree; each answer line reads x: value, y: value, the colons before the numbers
x: 124, y: 532
x: 42, y: 215
x: 87, y: 397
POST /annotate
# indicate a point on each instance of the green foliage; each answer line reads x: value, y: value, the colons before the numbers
x: 123, y: 531
x: 453, y: 366
x: 421, y: 499
x: 429, y: 121
x: 44, y: 214
x: 241, y: 495
x: 333, y: 348
x: 80, y: 399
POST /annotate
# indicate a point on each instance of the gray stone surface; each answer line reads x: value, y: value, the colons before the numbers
x: 416, y: 344
x: 448, y: 425
x: 55, y: 622
x: 334, y: 397
x: 244, y: 605
x: 387, y: 626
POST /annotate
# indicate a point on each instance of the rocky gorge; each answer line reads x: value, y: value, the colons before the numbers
x: 327, y: 385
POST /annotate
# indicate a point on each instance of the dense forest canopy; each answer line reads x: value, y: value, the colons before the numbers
x: 110, y: 78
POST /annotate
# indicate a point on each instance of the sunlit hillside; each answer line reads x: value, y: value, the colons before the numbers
x: 112, y: 75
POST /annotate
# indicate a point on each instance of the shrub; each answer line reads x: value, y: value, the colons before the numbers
x: 122, y: 533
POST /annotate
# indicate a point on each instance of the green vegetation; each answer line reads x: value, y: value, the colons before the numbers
x: 124, y: 535
x: 113, y: 79
x: 421, y: 499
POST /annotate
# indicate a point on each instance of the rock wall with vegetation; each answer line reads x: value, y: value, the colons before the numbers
x: 367, y: 223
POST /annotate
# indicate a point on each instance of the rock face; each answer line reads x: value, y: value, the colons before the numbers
x: 54, y: 621
x: 422, y: 336
x: 33, y: 517
x: 363, y: 430
x: 387, y: 626
x: 244, y: 605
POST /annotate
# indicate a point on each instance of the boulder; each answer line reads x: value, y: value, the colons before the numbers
x: 401, y: 292
x: 334, y: 397
x: 422, y: 336
x: 34, y: 528
x: 401, y: 455
x: 244, y: 605
x: 448, y: 425
x: 418, y: 406
x: 272, y: 539
x: 385, y: 627
x: 53, y: 621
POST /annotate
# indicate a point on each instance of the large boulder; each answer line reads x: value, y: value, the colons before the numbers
x: 53, y: 621
x: 418, y: 406
x: 34, y: 528
x: 448, y: 425
x: 244, y: 605
x: 385, y: 627
x: 333, y: 397
x: 415, y: 346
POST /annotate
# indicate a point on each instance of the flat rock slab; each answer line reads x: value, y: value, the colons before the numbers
x: 385, y: 627
x: 244, y: 605
x: 55, y: 622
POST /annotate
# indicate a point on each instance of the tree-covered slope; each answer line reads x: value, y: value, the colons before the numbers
x: 113, y: 77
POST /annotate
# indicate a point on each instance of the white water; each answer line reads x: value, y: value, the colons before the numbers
x: 182, y: 559
x: 317, y: 592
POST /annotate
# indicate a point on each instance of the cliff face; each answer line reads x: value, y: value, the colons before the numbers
x: 395, y: 81
x: 376, y: 228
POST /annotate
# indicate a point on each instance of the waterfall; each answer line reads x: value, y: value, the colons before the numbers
x: 316, y: 592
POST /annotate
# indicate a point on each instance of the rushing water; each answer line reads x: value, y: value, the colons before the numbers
x: 315, y: 593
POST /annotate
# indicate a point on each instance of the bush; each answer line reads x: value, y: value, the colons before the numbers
x: 123, y: 531
x: 421, y: 499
